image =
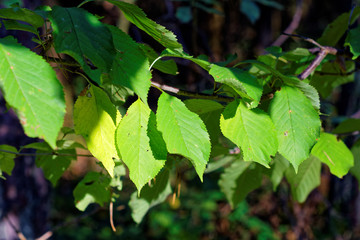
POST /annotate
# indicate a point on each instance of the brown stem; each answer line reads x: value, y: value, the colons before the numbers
x: 179, y: 92
x: 292, y: 26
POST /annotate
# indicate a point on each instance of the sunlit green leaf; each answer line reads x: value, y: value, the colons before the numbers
x: 242, y: 82
x: 136, y: 16
x: 96, y: 118
x: 31, y: 87
x: 297, y: 124
x: 183, y: 131
x: 140, y: 144
x: 252, y: 130
x: 334, y: 153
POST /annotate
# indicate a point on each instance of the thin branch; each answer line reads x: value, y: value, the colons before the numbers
x: 324, y: 50
x: 18, y: 232
x: 111, y: 206
x: 65, y: 62
x: 177, y: 91
x: 292, y: 26
x: 45, y: 154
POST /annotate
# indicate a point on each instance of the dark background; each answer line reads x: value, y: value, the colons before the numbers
x: 29, y: 204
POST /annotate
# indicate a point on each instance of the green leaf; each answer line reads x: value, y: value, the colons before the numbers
x: 252, y: 130
x: 140, y: 144
x: 131, y: 67
x: 348, y: 126
x: 335, y: 30
x: 353, y: 41
x: 183, y: 131
x: 209, y: 112
x: 250, y: 9
x: 220, y: 162
x: 297, y: 124
x: 331, y: 76
x: 96, y: 118
x: 15, y: 25
x: 167, y: 66
x: 93, y: 188
x: 82, y: 36
x: 31, y: 87
x: 239, y: 179
x: 136, y: 16
x: 184, y: 14
x: 278, y: 170
x: 22, y: 14
x: 242, y: 82
x: 199, y: 61
x: 54, y: 166
x: 150, y: 196
x: 308, y: 90
x: 306, y: 179
x: 355, y: 170
x: 7, y: 159
x: 119, y: 173
x: 334, y: 153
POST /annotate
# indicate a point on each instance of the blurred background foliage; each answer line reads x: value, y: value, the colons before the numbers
x: 218, y: 29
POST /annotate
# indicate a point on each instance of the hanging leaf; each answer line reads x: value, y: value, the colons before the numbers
x: 242, y: 82
x: 353, y: 41
x: 7, y: 160
x: 93, y: 188
x: 140, y: 144
x: 306, y: 179
x: 334, y: 153
x: 239, y: 180
x: 296, y: 122
x: 15, y: 25
x: 209, y: 112
x: 96, y: 118
x: 348, y: 126
x: 82, y: 36
x: 53, y: 166
x: 183, y: 131
x: 355, y: 170
x: 24, y: 15
x: 278, y: 170
x: 331, y: 76
x: 252, y: 130
x: 335, y: 30
x: 135, y: 76
x: 150, y: 196
x: 136, y: 16
x: 31, y: 87
x: 167, y: 66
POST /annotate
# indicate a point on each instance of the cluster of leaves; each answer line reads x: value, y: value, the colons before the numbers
x: 258, y: 105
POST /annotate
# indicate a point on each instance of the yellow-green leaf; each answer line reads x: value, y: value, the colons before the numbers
x: 96, y: 118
